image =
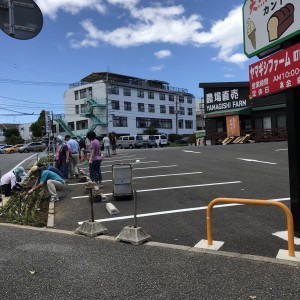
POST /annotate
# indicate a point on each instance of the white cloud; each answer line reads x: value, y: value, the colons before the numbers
x: 50, y: 8
x: 162, y: 53
x: 159, y: 23
x: 157, y: 68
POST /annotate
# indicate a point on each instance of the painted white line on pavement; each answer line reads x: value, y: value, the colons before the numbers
x: 141, y: 162
x: 173, y: 188
x: 258, y: 161
x: 175, y: 211
x: 190, y: 151
x: 170, y: 188
x: 281, y: 149
x: 284, y: 235
x: 151, y: 176
x: 19, y: 164
x: 158, y: 167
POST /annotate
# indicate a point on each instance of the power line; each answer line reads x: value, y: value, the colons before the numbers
x: 23, y: 82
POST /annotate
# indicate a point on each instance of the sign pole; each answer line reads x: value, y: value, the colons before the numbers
x: 293, y: 127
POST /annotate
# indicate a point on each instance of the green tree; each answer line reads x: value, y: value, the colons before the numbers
x: 150, y: 130
x: 13, y: 136
x: 37, y: 128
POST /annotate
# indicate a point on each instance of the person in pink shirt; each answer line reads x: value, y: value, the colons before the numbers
x: 95, y: 159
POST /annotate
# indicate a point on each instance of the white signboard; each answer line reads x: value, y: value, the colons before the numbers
x: 268, y: 23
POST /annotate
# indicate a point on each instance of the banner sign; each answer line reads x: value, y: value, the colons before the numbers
x: 269, y: 23
x: 47, y: 122
x: 219, y: 99
x: 275, y: 73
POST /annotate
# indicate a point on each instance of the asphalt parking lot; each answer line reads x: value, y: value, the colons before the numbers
x: 174, y: 187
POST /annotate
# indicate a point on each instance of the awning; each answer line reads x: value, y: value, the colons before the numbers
x: 229, y: 112
x: 267, y: 107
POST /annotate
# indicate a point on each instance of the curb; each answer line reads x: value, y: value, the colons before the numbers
x: 233, y: 255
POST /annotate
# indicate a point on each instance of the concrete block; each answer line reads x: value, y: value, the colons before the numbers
x: 204, y: 245
x: 91, y: 229
x: 133, y: 235
x: 112, y: 209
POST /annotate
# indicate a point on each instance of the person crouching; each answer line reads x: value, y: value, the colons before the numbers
x: 45, y: 177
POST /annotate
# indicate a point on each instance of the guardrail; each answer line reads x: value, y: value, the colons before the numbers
x: 289, y: 216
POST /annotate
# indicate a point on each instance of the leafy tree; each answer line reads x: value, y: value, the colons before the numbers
x: 38, y: 127
x: 150, y: 130
x: 12, y: 136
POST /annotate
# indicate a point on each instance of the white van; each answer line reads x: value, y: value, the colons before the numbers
x: 130, y: 141
x: 161, y: 140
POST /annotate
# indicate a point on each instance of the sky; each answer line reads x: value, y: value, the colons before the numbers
x: 182, y: 42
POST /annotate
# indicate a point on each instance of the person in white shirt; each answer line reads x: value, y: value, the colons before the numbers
x: 11, y: 181
x: 106, y: 144
x: 74, y: 152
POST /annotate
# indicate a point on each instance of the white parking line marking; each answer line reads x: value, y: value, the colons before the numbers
x: 281, y: 149
x: 170, y: 188
x: 158, y: 167
x: 142, y: 177
x: 175, y: 211
x: 284, y: 235
x: 259, y: 161
x: 190, y: 151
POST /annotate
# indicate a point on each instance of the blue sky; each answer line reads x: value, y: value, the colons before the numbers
x: 183, y: 42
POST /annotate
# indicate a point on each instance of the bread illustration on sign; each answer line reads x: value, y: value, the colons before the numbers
x: 251, y: 32
x: 280, y: 21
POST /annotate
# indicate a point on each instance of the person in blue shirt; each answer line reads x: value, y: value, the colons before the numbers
x: 43, y: 166
x: 45, y: 177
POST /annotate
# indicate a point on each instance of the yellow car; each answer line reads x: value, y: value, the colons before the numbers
x: 13, y: 149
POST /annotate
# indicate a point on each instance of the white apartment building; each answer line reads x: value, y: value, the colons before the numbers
x: 107, y: 102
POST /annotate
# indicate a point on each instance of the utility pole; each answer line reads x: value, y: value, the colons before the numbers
x: 176, y: 111
x: 106, y: 91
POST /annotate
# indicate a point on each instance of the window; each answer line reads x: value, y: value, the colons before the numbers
x: 181, y: 99
x: 189, y: 99
x: 127, y: 105
x: 90, y: 91
x: 162, y: 97
x: 157, y: 123
x: 188, y: 124
x: 281, y: 121
x: 71, y: 125
x: 171, y: 110
x: 247, y: 123
x: 82, y: 94
x: 114, y: 90
x: 151, y: 108
x: 81, y: 124
x: 140, y: 94
x: 181, y: 111
x: 220, y: 126
x: 171, y: 98
x: 77, y: 109
x: 162, y: 109
x: 126, y: 92
x: 190, y: 111
x: 180, y: 124
x: 141, y: 107
x: 76, y: 95
x: 267, y: 123
x: 150, y: 95
x: 115, y: 104
x: 82, y: 108
x: 120, y: 121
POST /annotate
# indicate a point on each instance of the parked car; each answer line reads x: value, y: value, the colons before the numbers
x: 130, y: 141
x: 3, y: 148
x: 13, y: 149
x: 34, y: 146
x: 149, y: 141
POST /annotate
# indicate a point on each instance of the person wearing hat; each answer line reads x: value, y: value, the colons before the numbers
x: 45, y: 177
x: 11, y: 181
